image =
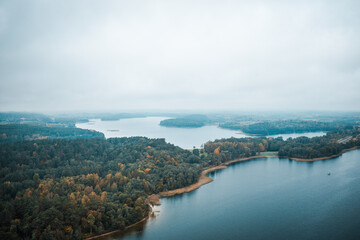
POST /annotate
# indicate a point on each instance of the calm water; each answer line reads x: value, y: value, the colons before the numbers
x: 183, y: 137
x: 267, y: 198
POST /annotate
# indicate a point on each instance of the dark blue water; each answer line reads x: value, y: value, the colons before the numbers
x: 267, y: 198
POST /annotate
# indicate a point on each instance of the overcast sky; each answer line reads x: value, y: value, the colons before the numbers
x: 208, y: 55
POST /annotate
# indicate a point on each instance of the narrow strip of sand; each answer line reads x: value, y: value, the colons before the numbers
x: 154, y: 199
x: 203, y: 179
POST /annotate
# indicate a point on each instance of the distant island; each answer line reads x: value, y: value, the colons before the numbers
x: 189, y: 121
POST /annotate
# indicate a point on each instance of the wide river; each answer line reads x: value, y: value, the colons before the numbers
x: 183, y: 137
x: 266, y: 198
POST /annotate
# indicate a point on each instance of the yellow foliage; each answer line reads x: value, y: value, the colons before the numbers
x: 93, y: 195
x: 85, y: 199
x: 103, y: 196
x: 72, y: 197
x: 261, y: 147
x: 147, y: 170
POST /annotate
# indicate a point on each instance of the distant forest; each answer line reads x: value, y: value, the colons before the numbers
x: 71, y: 189
x: 261, y: 127
x: 21, y: 132
x: 281, y: 127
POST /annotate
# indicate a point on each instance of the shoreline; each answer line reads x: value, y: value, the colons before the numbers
x: 323, y: 158
x: 126, y: 228
x: 154, y: 199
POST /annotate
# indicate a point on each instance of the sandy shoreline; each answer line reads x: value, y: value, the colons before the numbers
x: 154, y: 199
x: 203, y: 179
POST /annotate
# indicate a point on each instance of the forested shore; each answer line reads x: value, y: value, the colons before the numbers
x: 73, y: 189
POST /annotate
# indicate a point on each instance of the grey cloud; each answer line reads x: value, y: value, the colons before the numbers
x: 117, y: 55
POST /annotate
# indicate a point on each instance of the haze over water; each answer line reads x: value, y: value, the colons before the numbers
x: 183, y: 137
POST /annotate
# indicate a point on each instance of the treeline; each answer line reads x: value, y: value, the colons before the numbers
x: 189, y: 121
x: 220, y: 151
x: 317, y: 147
x: 281, y: 127
x: 302, y: 147
x: 68, y: 189
x: 21, y: 132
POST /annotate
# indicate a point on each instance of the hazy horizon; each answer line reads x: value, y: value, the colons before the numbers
x: 114, y: 56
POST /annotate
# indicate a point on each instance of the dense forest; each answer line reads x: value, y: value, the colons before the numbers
x: 66, y: 189
x: 332, y: 143
x: 21, y: 132
x: 189, y: 121
x: 262, y: 127
x: 280, y: 127
x: 71, y: 189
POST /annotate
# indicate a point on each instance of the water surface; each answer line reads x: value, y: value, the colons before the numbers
x: 182, y: 137
x: 266, y: 198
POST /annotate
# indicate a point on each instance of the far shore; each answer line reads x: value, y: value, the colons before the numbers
x: 154, y: 199
x: 323, y: 158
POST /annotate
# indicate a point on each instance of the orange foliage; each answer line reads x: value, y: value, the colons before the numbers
x: 68, y: 229
x: 85, y: 199
x: 72, y: 197
x: 27, y: 193
x: 108, y: 177
x: 217, y: 151
x: 103, y: 196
